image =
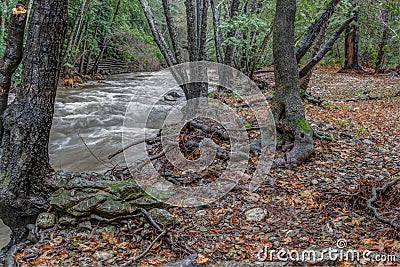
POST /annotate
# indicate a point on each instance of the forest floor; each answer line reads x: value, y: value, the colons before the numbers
x: 318, y: 205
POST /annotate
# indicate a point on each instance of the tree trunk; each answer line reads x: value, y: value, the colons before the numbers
x: 157, y: 35
x: 11, y: 59
x: 287, y: 107
x: 24, y: 165
x: 217, y: 32
x: 313, y: 30
x: 172, y: 31
x: 82, y: 61
x: 73, y: 31
x: 351, y: 46
x: 327, y: 47
x: 304, y: 81
x: 230, y: 49
x: 385, y: 37
x: 105, y: 41
x: 197, y: 29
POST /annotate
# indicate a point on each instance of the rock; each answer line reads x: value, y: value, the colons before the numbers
x: 314, y: 181
x: 85, y: 225
x: 255, y: 215
x: 113, y: 207
x: 163, y: 217
x: 146, y: 202
x: 67, y: 220
x: 368, y: 142
x: 46, y: 220
x: 103, y: 255
x: 189, y: 261
x: 201, y: 213
x: 107, y: 198
x: 85, y: 206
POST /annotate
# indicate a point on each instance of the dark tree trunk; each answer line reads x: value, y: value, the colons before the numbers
x: 11, y: 59
x: 327, y: 47
x: 313, y: 30
x: 304, y: 81
x: 351, y: 46
x: 82, y: 61
x: 172, y: 31
x: 24, y: 165
x: 157, y: 35
x: 287, y: 107
x: 230, y: 49
x: 74, y: 31
x: 217, y: 32
x: 196, y: 19
x: 385, y: 37
x: 105, y: 41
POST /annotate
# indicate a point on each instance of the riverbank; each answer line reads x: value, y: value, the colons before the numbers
x: 310, y: 207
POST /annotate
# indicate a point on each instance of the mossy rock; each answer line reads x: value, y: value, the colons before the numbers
x: 106, y: 198
x: 64, y: 199
x: 113, y: 208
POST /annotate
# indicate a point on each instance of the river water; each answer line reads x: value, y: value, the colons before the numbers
x: 88, y: 122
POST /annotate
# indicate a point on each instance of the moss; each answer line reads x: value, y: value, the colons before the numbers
x: 303, y: 125
x: 116, y: 185
x: 6, y: 180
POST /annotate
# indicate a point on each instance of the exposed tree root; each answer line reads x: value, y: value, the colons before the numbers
x: 322, y: 136
x: 374, y: 197
x: 313, y: 100
x: 146, y: 140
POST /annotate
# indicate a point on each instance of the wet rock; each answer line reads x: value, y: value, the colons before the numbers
x: 67, y: 220
x: 46, y: 220
x: 85, y: 225
x: 146, y: 202
x: 113, y: 208
x: 255, y: 215
x: 163, y: 217
x: 189, y: 261
x: 201, y: 213
x: 107, y: 198
x: 103, y: 255
x: 368, y: 142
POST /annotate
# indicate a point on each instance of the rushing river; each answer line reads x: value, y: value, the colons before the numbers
x: 88, y: 121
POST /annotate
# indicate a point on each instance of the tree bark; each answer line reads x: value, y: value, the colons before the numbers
x: 327, y: 47
x: 73, y: 31
x: 385, y: 37
x: 24, y: 165
x: 157, y: 35
x: 197, y: 29
x: 287, y: 107
x: 105, y: 41
x: 217, y: 32
x: 11, y: 59
x: 351, y: 46
x: 313, y: 30
x: 305, y: 80
x: 172, y: 31
x: 230, y: 49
